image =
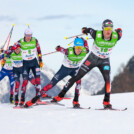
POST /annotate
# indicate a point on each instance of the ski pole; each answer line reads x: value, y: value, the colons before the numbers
x: 88, y: 38
x: 10, y: 36
x: 49, y: 53
x: 73, y: 36
x: 28, y: 25
x: 70, y: 43
x: 7, y: 37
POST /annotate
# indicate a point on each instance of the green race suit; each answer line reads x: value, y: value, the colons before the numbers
x: 17, y: 60
x: 73, y: 60
x: 28, y: 49
x: 103, y: 48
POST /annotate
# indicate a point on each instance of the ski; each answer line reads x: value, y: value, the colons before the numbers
x: 18, y: 107
x: 49, y: 103
x: 50, y: 97
x: 66, y: 98
x: 78, y: 108
x: 21, y: 107
x: 112, y: 109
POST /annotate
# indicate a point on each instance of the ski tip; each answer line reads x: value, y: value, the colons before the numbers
x: 13, y: 24
x: 112, y: 109
x: 124, y: 109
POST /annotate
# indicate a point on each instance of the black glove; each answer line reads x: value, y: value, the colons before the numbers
x: 118, y: 30
x: 1, y: 51
x: 85, y: 30
x: 57, y: 48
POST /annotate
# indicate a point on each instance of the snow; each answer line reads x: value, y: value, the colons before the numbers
x: 54, y: 119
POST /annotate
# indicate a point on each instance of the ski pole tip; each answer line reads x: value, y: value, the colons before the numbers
x: 65, y: 37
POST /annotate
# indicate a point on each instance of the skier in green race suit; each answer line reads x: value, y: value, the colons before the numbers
x: 72, y: 59
x: 17, y: 63
x: 7, y: 70
x: 31, y: 53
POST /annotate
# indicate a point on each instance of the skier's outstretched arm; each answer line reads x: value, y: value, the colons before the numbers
x: 62, y: 50
x: 91, y: 31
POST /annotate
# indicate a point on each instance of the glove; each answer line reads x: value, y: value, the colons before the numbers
x: 85, y: 30
x: 57, y: 48
x: 41, y: 64
x: 2, y: 62
x: 1, y: 51
x: 118, y: 30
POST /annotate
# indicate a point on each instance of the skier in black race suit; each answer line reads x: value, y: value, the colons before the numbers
x: 104, y: 42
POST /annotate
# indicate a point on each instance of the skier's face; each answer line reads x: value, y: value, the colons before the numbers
x: 28, y: 38
x: 17, y: 51
x: 78, y: 50
x: 107, y: 32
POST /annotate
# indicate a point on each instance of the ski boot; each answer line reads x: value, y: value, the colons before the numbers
x: 32, y: 102
x: 11, y: 99
x: 107, y: 105
x: 45, y: 96
x: 56, y: 99
x: 76, y: 104
x: 22, y: 101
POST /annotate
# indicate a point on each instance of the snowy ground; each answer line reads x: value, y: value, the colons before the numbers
x: 52, y: 119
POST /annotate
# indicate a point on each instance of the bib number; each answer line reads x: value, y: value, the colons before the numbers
x: 75, y: 62
x: 104, y: 49
x: 29, y: 51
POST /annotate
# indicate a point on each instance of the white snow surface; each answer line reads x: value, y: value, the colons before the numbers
x: 54, y: 119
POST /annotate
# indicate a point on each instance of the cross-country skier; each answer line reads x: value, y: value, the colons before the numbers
x: 30, y: 52
x: 104, y: 42
x: 17, y: 63
x: 7, y: 70
x: 73, y: 58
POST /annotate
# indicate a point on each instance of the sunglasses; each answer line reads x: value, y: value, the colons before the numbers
x: 78, y: 47
x: 108, y: 28
x: 28, y: 35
